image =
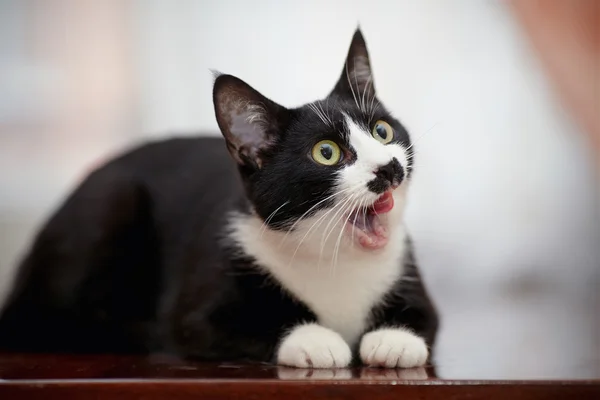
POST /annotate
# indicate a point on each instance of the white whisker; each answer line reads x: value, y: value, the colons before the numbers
x: 336, y: 249
x: 263, y: 228
x: 316, y: 111
x: 327, y: 107
x: 374, y: 109
x: 325, y: 114
x: 340, y: 208
x: 356, y: 81
x: 315, y: 224
x: 336, y: 219
x: 417, y: 139
x: 360, y: 207
x: 362, y: 101
x: 318, y: 221
x: 350, y: 83
x: 309, y: 210
x: 371, y: 108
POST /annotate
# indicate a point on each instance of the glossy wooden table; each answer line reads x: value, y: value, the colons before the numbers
x: 124, y: 377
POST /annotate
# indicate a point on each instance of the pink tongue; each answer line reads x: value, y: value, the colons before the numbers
x: 383, y: 204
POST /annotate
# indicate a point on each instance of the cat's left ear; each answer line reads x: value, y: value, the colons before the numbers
x: 356, y: 81
x: 249, y: 121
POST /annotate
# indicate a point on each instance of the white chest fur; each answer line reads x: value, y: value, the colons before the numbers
x: 340, y: 290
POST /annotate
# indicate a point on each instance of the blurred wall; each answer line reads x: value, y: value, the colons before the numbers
x: 504, y: 206
x: 66, y: 99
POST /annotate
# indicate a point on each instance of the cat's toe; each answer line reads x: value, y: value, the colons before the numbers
x: 313, y: 346
x: 392, y: 348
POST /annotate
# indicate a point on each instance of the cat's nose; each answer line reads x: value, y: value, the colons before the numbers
x: 386, y: 172
x: 391, y: 172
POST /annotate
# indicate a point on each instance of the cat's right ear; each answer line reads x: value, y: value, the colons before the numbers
x: 249, y: 121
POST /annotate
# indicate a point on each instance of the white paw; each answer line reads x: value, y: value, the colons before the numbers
x: 392, y: 348
x: 313, y: 346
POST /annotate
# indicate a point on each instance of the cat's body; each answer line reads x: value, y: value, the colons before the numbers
x: 166, y: 249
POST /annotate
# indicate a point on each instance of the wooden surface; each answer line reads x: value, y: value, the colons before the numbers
x: 119, y: 377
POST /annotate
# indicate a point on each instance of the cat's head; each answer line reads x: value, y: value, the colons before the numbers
x: 335, y: 167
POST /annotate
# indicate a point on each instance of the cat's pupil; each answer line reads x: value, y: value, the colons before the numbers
x: 327, y: 151
x: 381, y: 131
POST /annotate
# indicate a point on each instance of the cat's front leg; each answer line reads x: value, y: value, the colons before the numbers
x: 313, y: 346
x: 393, y: 347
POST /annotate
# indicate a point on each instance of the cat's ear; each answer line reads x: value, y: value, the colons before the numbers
x: 356, y: 81
x: 249, y: 121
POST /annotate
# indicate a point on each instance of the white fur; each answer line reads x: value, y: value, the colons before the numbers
x: 392, y: 348
x: 370, y: 154
x: 341, y: 294
x: 312, y: 345
x: 318, y: 262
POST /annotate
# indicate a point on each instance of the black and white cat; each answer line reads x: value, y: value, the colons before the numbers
x: 295, y: 252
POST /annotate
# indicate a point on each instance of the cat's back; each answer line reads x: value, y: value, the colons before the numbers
x: 119, y: 232
x: 186, y: 156
x: 183, y: 176
x: 188, y: 185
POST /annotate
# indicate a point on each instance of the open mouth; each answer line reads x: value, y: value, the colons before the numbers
x: 368, y: 224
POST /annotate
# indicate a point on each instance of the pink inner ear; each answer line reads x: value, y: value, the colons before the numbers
x: 247, y: 133
x: 247, y: 129
x: 246, y: 118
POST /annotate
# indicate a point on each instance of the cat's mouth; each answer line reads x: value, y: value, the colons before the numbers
x: 369, y: 224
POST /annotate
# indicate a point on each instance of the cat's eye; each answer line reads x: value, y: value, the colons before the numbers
x: 383, y: 132
x: 326, y: 152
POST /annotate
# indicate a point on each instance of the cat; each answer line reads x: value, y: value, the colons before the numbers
x: 283, y: 243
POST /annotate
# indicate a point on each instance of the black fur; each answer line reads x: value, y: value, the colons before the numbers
x: 386, y: 176
x: 136, y: 259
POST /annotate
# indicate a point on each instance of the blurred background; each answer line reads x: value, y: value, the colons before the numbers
x: 504, y: 208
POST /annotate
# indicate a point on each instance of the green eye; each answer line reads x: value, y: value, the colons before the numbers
x: 383, y: 132
x: 326, y: 152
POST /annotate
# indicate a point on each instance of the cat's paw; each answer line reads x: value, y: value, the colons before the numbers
x: 392, y: 348
x: 313, y: 346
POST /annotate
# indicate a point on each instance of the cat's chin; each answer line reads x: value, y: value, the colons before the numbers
x: 368, y: 226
